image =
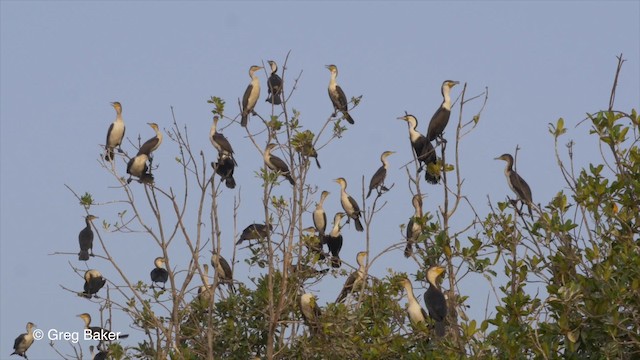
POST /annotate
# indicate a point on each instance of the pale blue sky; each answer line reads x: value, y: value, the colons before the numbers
x: 62, y: 63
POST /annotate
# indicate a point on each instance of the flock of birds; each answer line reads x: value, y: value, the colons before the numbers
x: 141, y: 164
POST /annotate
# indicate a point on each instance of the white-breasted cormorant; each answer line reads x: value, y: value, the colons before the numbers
x: 274, y: 85
x: 276, y: 164
x: 435, y: 301
x: 152, y: 144
x: 98, y: 333
x: 440, y: 119
x: 24, y: 341
x: 251, y: 95
x: 414, y: 228
x: 219, y: 141
x: 159, y: 274
x: 85, y: 238
x: 424, y: 151
x: 222, y: 269
x: 414, y: 310
x: 349, y: 204
x: 334, y: 240
x: 93, y: 282
x: 319, y: 216
x: 517, y: 183
x: 377, y: 180
x: 137, y: 166
x: 337, y: 96
x: 310, y: 312
x: 255, y: 232
x: 356, y: 280
x: 115, y: 134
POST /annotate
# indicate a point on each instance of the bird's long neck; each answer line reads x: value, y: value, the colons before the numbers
x: 433, y: 281
x: 385, y: 162
x: 267, y: 155
x: 332, y: 80
x: 446, y: 103
x: 413, y: 133
x: 410, y: 296
x: 158, y: 135
x: 335, y: 232
x: 418, y: 212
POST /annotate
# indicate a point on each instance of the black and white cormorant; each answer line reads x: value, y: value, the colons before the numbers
x: 100, y: 355
x: 424, y: 151
x: 137, y: 167
x: 159, y: 274
x: 222, y: 269
x: 255, y: 232
x: 337, y: 96
x: 414, y: 229
x: 225, y: 168
x: 517, y: 183
x: 356, y: 280
x: 377, y: 180
x: 440, y: 119
x: 251, y: 95
x: 115, y: 134
x: 152, y: 144
x: 274, y: 85
x: 334, y: 240
x: 219, y: 141
x: 93, y: 282
x: 310, y: 312
x: 85, y: 238
x: 276, y: 164
x: 349, y: 204
x: 434, y: 298
x: 24, y: 341
x: 100, y: 333
x: 416, y: 313
x: 319, y: 216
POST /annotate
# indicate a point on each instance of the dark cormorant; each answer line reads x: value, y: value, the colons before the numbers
x: 276, y: 164
x: 85, y: 238
x: 93, y: 282
x: 356, y: 280
x: 115, y: 134
x: 255, y: 232
x: 224, y: 168
x: 24, y: 341
x: 274, y: 85
x: 414, y: 229
x: 310, y: 312
x: 337, y: 96
x: 319, y: 216
x: 414, y: 310
x: 434, y: 298
x: 251, y: 95
x: 424, y: 151
x: 152, y: 144
x: 440, y: 119
x: 159, y: 274
x: 517, y: 183
x: 98, y: 333
x: 222, y: 269
x: 377, y: 180
x: 349, y: 205
x: 334, y: 240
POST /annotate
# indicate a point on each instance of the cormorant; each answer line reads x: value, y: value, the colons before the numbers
x: 424, y: 151
x: 24, y: 341
x: 440, y: 119
x: 159, y: 274
x: 137, y: 167
x: 219, y: 141
x: 337, y: 96
x: 93, y: 282
x: 222, y: 269
x: 310, y: 312
x: 224, y: 168
x: 517, y: 183
x: 274, y: 85
x: 85, y: 238
x: 98, y: 333
x: 205, y: 291
x: 319, y: 216
x: 349, y: 205
x: 251, y: 95
x: 115, y: 134
x: 414, y: 229
x: 306, y: 271
x: 152, y: 144
x: 255, y: 232
x: 434, y: 298
x: 334, y: 240
x: 276, y: 164
x: 377, y: 180
x: 101, y: 355
x: 414, y: 310
x: 356, y: 280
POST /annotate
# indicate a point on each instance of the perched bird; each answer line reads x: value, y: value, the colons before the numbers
x: 137, y: 167
x: 517, y: 183
x: 93, y: 282
x: 219, y: 141
x: 356, y: 280
x: 100, y: 355
x: 98, y: 332
x: 115, y: 134
x: 314, y: 243
x: 319, y: 216
x: 225, y: 168
x: 24, y: 341
x: 85, y: 238
x: 334, y: 241
x: 222, y: 269
x: 274, y: 85
x: 255, y: 232
x: 306, y: 271
x: 434, y: 298
x: 310, y: 312
x: 159, y: 274
x: 424, y: 151
x: 205, y: 291
x: 414, y: 310
x: 152, y: 144
x: 377, y: 180
x: 251, y: 95
x: 414, y: 229
x: 349, y: 205
x: 440, y: 119
x: 337, y: 96
x: 276, y: 164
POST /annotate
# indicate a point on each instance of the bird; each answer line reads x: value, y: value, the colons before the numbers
x: 356, y: 280
x: 205, y: 291
x: 334, y: 240
x: 115, y: 134
x: 222, y: 269
x: 24, y: 341
x: 100, y: 355
x: 159, y: 274
x: 424, y: 151
x: 306, y: 271
x: 377, y: 180
x: 274, y: 85
x: 93, y: 282
x: 85, y: 238
x: 319, y: 216
x: 251, y: 95
x: 137, y: 166
x: 255, y: 232
x: 310, y: 312
x: 98, y: 333
x: 349, y: 205
x: 440, y: 118
x: 276, y: 164
x: 152, y: 144
x: 517, y: 183
x: 435, y: 301
x: 414, y: 228
x: 337, y: 96
x: 416, y: 313
x: 225, y: 168
x: 219, y: 141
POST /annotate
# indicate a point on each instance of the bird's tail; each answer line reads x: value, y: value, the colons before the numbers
x: 83, y: 255
x: 358, y: 225
x: 336, y: 262
x: 430, y: 178
x: 291, y: 181
x: 349, y: 118
x: 244, y: 120
x: 408, y: 250
x: 230, y: 182
x: 369, y: 194
x: 276, y: 98
x: 440, y: 330
x: 317, y: 162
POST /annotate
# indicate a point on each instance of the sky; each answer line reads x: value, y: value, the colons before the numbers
x: 63, y: 62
